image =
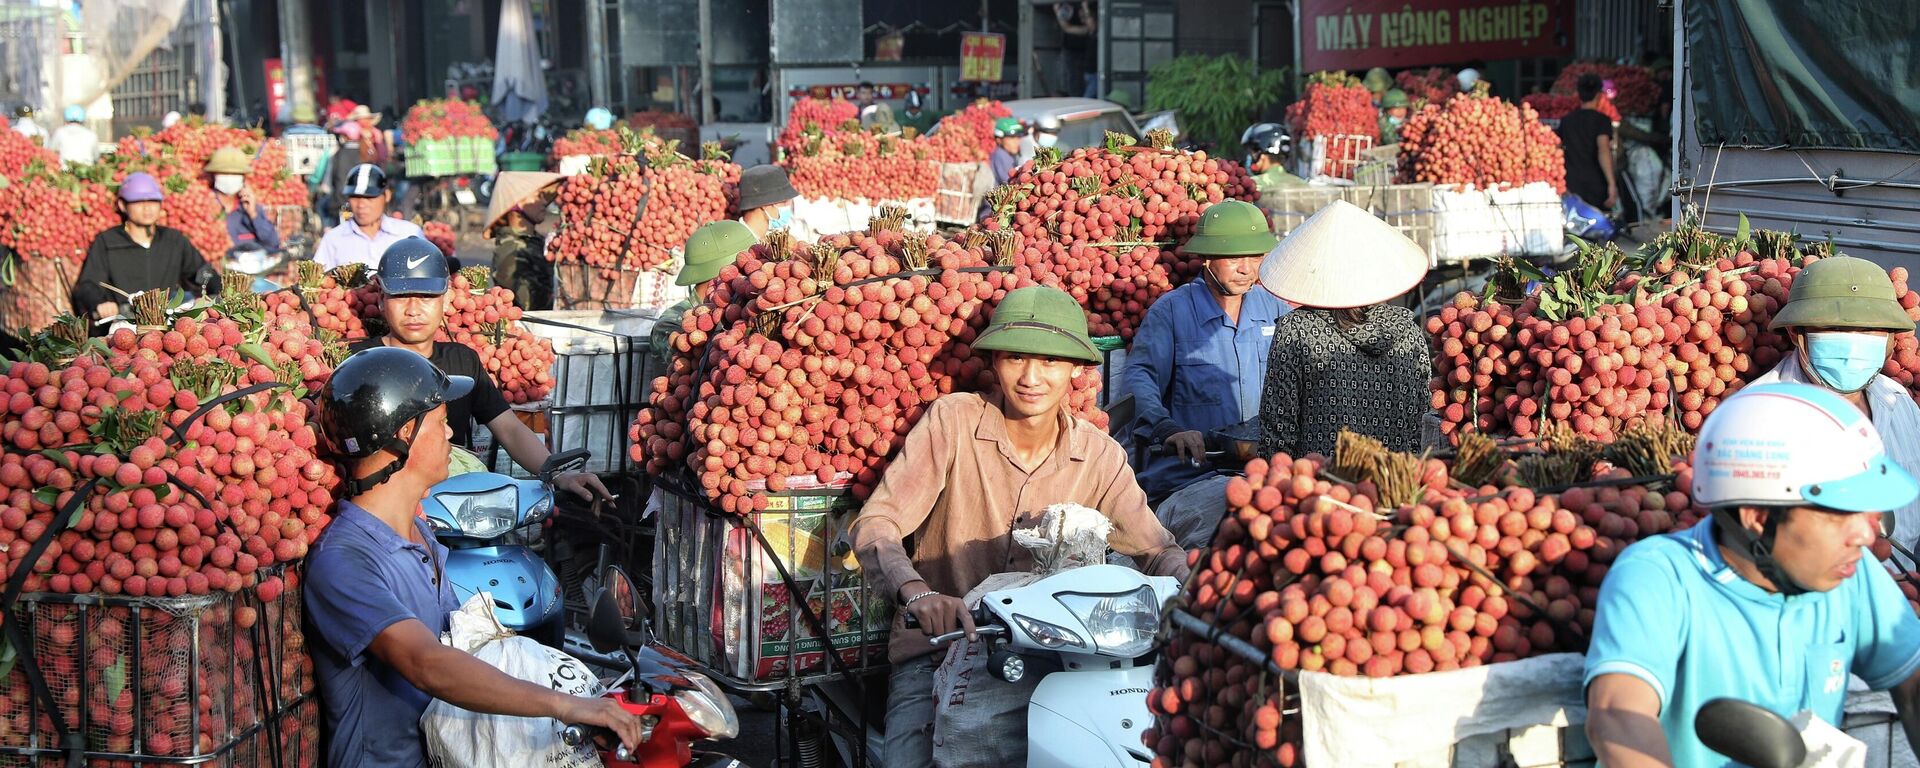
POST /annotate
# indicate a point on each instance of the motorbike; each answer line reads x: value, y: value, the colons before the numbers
x: 1089, y: 633
x: 478, y: 516
x: 258, y: 262
x: 1749, y: 734
x: 678, y: 705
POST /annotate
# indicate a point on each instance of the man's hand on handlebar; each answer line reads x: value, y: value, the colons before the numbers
x: 608, y: 714
x: 585, y: 485
x: 106, y: 309
x: 1190, y: 445
x: 938, y: 614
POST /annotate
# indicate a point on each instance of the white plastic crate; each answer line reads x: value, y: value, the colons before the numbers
x: 1482, y: 224
x: 1408, y: 208
x: 601, y: 378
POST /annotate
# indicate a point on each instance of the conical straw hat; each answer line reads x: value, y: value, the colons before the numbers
x: 512, y: 188
x: 1343, y: 257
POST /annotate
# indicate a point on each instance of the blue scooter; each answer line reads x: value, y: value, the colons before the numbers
x: 475, y: 515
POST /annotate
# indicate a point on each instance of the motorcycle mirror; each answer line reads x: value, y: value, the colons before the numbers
x: 1887, y: 523
x: 1749, y: 734
x: 563, y: 462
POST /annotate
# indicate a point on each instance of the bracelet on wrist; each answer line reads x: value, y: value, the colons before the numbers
x: 916, y: 598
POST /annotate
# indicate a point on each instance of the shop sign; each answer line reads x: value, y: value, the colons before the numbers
x: 1360, y: 34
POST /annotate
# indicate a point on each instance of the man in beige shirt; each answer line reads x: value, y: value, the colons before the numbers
x: 977, y: 466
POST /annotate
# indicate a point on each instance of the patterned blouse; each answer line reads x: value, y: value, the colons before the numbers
x: 1371, y: 378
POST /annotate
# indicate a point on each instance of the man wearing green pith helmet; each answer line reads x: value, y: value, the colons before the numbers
x: 711, y: 248
x: 975, y: 467
x: 1842, y: 319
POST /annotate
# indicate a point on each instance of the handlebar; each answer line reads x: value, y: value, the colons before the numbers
x: 588, y: 736
x: 984, y: 622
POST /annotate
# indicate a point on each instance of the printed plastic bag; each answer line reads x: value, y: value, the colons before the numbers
x: 457, y: 737
x: 979, y: 720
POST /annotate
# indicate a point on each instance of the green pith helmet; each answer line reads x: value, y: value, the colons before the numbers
x: 1232, y: 228
x: 1842, y: 292
x: 1393, y: 98
x: 711, y: 248
x: 1005, y: 127
x: 1038, y: 320
x: 229, y: 160
x: 1377, y: 80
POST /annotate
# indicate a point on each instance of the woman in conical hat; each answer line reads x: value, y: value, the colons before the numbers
x: 1346, y: 358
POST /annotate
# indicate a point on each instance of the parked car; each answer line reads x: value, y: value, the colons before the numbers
x: 1083, y: 122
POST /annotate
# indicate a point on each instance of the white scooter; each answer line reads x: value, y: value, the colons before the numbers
x: 1090, y: 632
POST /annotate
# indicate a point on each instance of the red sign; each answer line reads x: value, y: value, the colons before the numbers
x: 278, y: 92
x: 1359, y: 34
x: 981, y: 54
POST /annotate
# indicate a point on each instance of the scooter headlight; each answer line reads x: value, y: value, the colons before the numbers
x: 1050, y: 636
x: 485, y: 514
x: 707, y: 706
x: 1122, y: 625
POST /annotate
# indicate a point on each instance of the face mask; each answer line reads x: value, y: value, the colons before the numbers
x: 228, y: 184
x: 1846, y: 362
x: 782, y: 219
x: 1395, y: 120
x: 1047, y: 139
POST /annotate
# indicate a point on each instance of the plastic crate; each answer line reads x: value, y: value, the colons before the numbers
x: 450, y: 157
x: 1113, y: 360
x: 962, y: 187
x: 306, y: 147
x: 522, y: 161
x: 1482, y: 224
x: 1332, y: 156
x: 721, y: 601
x: 601, y: 378
x: 154, y: 678
x: 1409, y: 208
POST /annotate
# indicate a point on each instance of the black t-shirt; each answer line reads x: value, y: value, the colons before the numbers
x: 483, y: 404
x: 1580, y: 132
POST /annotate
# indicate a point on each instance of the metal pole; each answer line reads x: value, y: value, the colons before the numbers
x: 706, y: 62
x: 296, y: 56
x: 1026, y: 49
x: 1679, y: 126
x: 213, y: 82
x: 1298, y: 78
x: 224, y: 10
x: 597, y: 52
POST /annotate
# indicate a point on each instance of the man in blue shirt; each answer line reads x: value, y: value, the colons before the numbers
x: 1200, y: 358
x: 1773, y: 599
x: 377, y: 597
x: 247, y: 220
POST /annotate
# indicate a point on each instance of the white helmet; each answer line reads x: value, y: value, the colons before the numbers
x: 1468, y: 77
x: 1782, y: 445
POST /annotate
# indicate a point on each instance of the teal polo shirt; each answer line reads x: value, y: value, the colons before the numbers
x: 1674, y: 614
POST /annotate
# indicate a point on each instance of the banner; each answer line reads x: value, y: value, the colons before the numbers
x: 980, y: 56
x: 1360, y: 34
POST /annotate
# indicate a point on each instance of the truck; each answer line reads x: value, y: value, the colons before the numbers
x: 1801, y: 119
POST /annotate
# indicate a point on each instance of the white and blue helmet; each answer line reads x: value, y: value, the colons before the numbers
x: 1785, y: 445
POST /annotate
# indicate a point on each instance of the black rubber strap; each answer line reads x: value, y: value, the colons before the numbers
x: 180, y: 430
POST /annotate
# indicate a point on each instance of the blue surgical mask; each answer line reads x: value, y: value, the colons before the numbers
x: 1046, y: 139
x: 1846, y: 361
x: 782, y: 219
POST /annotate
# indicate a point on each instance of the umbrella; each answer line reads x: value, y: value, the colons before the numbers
x: 511, y: 188
x: 519, y: 85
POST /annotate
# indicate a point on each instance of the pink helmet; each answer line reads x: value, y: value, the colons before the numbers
x: 348, y: 130
x: 140, y: 187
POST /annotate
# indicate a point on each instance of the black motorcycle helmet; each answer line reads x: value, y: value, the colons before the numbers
x: 412, y: 267
x: 372, y: 397
x: 1266, y: 139
x: 365, y: 180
